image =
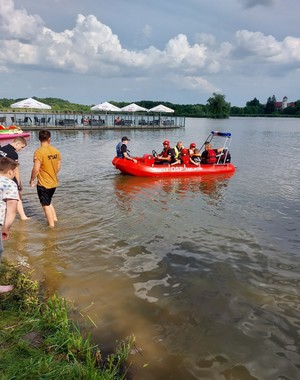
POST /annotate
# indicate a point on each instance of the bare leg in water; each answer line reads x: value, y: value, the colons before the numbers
x: 50, y: 214
x: 20, y: 209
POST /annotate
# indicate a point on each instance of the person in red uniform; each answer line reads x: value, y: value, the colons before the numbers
x: 212, y: 156
x: 209, y: 155
x: 167, y: 155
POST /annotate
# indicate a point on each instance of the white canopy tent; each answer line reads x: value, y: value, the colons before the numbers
x: 106, y: 106
x: 133, y: 108
x: 31, y: 103
x: 161, y: 109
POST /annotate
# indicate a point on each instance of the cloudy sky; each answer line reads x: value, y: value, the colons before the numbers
x: 91, y: 51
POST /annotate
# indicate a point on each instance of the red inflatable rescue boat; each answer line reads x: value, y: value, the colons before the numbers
x: 146, y: 166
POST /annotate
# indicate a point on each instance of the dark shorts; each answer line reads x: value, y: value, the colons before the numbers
x: 45, y: 195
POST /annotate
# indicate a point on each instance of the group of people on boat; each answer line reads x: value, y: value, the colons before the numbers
x: 192, y: 155
x: 179, y: 154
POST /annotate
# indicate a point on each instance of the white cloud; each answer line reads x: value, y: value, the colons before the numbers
x: 206, y: 38
x: 255, y: 43
x: 89, y: 48
x: 193, y: 83
x: 268, y: 49
x: 17, y: 24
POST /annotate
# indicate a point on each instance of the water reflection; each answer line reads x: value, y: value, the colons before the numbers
x: 127, y: 187
x: 168, y: 225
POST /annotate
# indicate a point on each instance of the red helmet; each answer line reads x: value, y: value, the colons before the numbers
x: 184, y: 151
x: 193, y: 145
x: 166, y: 142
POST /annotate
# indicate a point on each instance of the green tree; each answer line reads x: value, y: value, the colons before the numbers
x: 217, y: 107
x: 297, y: 106
x: 253, y: 103
x: 253, y: 107
x: 270, y: 106
x: 236, y: 111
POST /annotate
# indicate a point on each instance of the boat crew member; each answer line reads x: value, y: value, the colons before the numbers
x: 192, y: 149
x: 122, y: 151
x: 177, y: 149
x: 177, y: 153
x: 167, y: 155
x: 210, y: 155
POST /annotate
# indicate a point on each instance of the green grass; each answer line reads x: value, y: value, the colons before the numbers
x: 38, y: 340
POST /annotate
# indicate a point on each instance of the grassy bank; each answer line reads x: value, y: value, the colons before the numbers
x: 38, y: 340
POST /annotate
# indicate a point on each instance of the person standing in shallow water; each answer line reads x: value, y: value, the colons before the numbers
x: 9, y: 198
x: 11, y: 151
x: 46, y: 165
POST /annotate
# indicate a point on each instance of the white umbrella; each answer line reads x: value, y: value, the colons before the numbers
x: 31, y: 103
x: 161, y: 108
x: 133, y: 108
x: 106, y: 106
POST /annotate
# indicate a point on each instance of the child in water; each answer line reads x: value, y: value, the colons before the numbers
x: 9, y: 197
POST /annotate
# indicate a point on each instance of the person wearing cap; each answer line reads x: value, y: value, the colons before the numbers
x: 192, y: 149
x: 167, y: 155
x: 122, y: 151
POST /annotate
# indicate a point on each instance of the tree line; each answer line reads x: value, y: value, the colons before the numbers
x: 255, y: 108
x: 216, y: 107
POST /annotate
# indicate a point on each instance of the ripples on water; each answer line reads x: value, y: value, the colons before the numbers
x: 204, y: 272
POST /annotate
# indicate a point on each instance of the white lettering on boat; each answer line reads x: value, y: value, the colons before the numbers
x: 177, y: 169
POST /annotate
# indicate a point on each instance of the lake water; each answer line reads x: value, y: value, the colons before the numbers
x: 204, y: 272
